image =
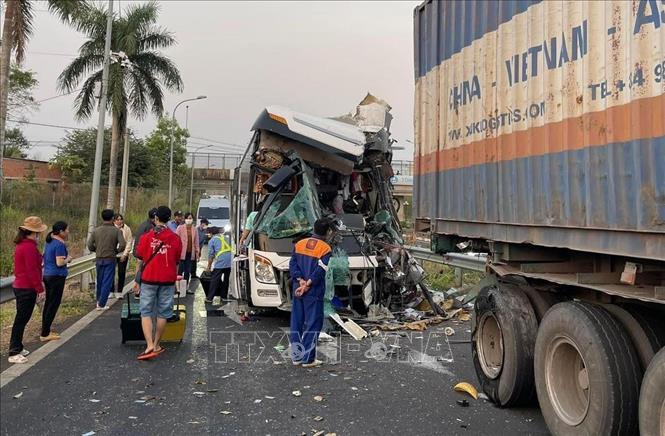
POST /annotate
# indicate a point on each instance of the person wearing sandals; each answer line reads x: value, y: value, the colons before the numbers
x: 159, y: 251
x: 28, y: 285
x: 56, y: 259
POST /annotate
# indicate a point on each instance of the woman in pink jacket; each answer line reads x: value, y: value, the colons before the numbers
x: 190, y: 246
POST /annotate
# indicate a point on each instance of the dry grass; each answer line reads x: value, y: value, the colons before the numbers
x: 75, y: 304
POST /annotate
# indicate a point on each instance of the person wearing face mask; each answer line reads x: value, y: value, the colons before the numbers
x: 56, y: 259
x: 28, y: 285
x: 123, y: 257
x: 201, y: 229
x: 189, y: 237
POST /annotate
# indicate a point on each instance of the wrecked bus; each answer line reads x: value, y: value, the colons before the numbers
x: 540, y: 139
x: 300, y: 167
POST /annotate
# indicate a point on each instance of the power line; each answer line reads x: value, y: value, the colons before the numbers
x: 58, y: 96
x: 46, y: 53
x: 219, y: 142
x: 224, y: 147
x: 46, y: 125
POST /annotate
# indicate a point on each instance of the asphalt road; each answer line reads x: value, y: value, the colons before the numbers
x: 228, y: 378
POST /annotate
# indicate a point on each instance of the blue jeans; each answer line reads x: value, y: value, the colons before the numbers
x: 105, y: 276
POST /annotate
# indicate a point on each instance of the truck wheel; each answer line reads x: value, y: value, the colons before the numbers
x: 587, y: 372
x: 541, y: 301
x: 652, y: 398
x: 504, y: 336
x: 643, y: 344
x: 652, y: 323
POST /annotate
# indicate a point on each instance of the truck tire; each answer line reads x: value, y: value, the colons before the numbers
x: 651, y: 321
x: 541, y: 301
x: 587, y: 372
x: 643, y: 344
x: 504, y: 336
x: 652, y: 398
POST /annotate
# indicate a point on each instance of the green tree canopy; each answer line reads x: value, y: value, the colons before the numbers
x: 159, y: 144
x: 76, y: 156
x: 16, y: 144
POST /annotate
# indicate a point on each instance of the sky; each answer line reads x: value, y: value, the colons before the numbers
x: 314, y: 57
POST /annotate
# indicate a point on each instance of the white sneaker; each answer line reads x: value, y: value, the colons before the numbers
x: 18, y: 358
x: 313, y: 364
x: 103, y: 308
x: 119, y: 296
x: 24, y: 352
x: 112, y: 295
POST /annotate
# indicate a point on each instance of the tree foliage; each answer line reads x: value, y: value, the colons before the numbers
x: 159, y: 144
x: 16, y: 144
x: 76, y: 156
x: 20, y: 100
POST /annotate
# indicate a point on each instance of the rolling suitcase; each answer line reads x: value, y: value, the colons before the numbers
x: 130, y: 321
x: 177, y: 324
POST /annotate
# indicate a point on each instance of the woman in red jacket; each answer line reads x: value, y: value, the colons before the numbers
x: 28, y: 285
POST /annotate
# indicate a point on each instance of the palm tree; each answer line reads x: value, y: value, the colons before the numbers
x: 134, y: 87
x: 16, y: 32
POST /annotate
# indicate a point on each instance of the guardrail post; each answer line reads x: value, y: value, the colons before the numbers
x: 459, y: 277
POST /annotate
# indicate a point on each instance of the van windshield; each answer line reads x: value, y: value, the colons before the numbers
x: 214, y: 213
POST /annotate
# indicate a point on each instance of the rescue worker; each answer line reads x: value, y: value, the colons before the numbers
x: 307, y: 268
x: 220, y: 256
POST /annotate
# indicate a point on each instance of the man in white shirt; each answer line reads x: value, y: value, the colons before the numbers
x: 123, y: 258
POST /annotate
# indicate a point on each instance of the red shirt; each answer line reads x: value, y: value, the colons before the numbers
x: 28, y: 266
x: 163, y: 268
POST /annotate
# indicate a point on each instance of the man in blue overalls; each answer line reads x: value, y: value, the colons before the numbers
x: 307, y: 268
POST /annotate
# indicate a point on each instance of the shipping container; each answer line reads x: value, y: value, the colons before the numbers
x: 543, y: 122
x: 540, y: 139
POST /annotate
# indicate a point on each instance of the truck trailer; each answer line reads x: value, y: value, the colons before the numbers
x: 540, y: 140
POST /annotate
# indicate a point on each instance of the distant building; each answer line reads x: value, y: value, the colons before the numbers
x: 29, y: 169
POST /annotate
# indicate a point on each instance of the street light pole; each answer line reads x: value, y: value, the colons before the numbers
x: 200, y: 97
x: 191, y: 183
x: 94, y: 195
x: 125, y: 174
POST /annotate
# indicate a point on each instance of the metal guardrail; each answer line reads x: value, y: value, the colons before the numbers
x: 76, y: 267
x: 473, y: 262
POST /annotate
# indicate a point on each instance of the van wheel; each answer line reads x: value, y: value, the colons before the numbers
x: 504, y: 335
x: 652, y: 398
x: 587, y: 372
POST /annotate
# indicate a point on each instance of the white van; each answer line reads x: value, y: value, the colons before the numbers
x: 216, y: 209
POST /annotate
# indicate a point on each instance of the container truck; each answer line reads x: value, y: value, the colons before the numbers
x: 540, y: 139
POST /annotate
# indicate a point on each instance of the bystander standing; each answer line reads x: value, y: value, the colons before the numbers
x: 56, y: 259
x: 106, y: 242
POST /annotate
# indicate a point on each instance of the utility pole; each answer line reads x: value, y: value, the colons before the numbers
x: 124, y: 186
x: 99, y: 148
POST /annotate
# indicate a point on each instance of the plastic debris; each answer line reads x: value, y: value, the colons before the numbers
x: 257, y: 401
x: 268, y: 397
x: 449, y: 331
x: 225, y: 412
x: 350, y: 327
x: 318, y: 398
x: 353, y: 388
x: 280, y: 348
x: 90, y: 433
x: 133, y: 417
x: 296, y: 393
x: 318, y: 418
x: 190, y: 361
x: 198, y: 394
x: 463, y: 315
x: 94, y: 400
x: 468, y: 388
x: 19, y: 395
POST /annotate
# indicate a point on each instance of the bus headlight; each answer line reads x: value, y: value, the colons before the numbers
x: 263, y: 270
